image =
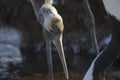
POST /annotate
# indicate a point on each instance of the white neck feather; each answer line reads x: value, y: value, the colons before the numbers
x: 113, y: 7
x: 49, y: 2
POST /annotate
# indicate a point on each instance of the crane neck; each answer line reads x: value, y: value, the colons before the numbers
x: 37, y: 5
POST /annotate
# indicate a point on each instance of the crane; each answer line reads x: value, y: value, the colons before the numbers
x: 53, y: 27
x: 106, y: 58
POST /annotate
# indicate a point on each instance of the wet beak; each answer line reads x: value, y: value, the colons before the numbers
x: 49, y: 59
x: 58, y: 44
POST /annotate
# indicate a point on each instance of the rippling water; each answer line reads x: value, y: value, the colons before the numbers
x: 10, y: 56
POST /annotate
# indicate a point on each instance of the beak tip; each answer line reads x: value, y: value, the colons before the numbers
x: 59, y: 46
x: 67, y: 78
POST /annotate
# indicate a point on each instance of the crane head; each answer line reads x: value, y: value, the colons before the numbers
x: 52, y: 32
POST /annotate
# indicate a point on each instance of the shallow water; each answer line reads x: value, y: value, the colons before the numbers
x: 57, y: 76
x: 13, y: 72
x: 10, y: 55
x: 12, y: 66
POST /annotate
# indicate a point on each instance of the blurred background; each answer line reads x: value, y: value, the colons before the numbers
x: 22, y: 46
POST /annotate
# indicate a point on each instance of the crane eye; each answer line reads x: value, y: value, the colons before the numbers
x: 51, y: 31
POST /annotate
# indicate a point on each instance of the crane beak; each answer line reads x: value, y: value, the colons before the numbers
x: 58, y: 44
x: 49, y: 59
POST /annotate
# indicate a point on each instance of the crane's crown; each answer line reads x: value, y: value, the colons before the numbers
x: 54, y: 24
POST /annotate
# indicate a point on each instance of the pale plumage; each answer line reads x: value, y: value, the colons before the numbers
x: 53, y: 27
x: 113, y: 7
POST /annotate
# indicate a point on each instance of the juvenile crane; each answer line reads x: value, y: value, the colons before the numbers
x: 107, y: 57
x: 53, y: 27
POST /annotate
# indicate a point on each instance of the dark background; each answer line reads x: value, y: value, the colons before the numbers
x: 78, y: 46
